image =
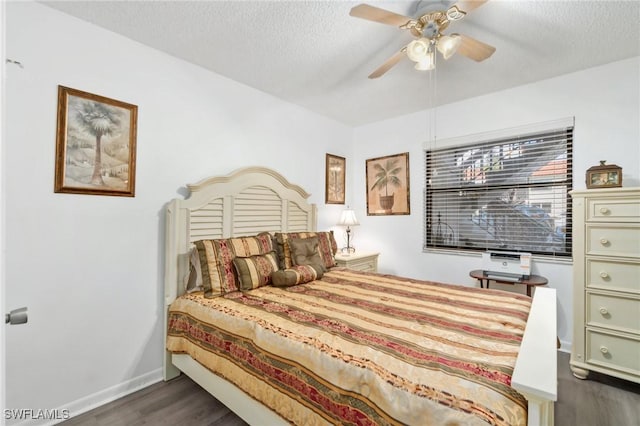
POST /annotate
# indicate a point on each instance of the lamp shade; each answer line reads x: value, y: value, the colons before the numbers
x: 427, y: 63
x: 448, y: 45
x: 417, y: 49
x: 348, y: 218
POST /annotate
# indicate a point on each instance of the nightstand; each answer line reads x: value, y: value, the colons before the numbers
x: 360, y: 261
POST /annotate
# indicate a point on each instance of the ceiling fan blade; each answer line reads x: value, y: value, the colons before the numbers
x: 390, y: 63
x: 474, y: 49
x: 469, y: 5
x: 376, y: 14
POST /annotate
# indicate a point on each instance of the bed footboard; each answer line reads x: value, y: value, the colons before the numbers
x: 536, y: 372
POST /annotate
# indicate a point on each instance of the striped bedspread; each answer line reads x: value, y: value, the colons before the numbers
x: 363, y: 349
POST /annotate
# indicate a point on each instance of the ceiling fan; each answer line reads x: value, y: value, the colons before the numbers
x: 428, y: 32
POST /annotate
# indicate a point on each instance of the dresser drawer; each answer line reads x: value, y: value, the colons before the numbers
x: 616, y: 352
x: 613, y: 210
x: 613, y: 240
x: 613, y: 275
x: 367, y: 262
x: 616, y: 313
x: 366, y: 265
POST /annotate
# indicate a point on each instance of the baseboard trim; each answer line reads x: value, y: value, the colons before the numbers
x: 82, y: 405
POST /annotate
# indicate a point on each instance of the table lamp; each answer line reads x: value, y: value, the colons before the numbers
x: 348, y: 218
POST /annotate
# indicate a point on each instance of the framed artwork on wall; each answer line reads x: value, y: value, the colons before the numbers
x: 387, y: 181
x: 335, y: 172
x: 95, y: 144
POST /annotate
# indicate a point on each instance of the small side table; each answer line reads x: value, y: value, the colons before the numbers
x: 532, y: 281
x: 360, y: 261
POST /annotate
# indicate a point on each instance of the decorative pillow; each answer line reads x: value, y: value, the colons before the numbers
x: 296, y: 275
x: 268, y: 239
x: 216, y: 260
x: 304, y: 251
x: 327, y: 247
x: 255, y: 271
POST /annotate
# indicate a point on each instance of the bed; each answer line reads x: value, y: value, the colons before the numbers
x: 369, y: 348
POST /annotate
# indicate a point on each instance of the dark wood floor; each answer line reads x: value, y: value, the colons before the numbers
x: 599, y: 401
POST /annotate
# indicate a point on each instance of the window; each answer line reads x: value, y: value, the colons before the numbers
x: 504, y: 194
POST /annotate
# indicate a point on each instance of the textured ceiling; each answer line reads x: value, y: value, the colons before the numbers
x: 312, y: 53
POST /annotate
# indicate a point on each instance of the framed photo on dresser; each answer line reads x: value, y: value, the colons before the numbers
x: 604, y: 176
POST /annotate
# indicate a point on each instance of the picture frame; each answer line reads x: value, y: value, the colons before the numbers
x: 604, y: 176
x: 95, y: 144
x: 335, y: 174
x: 388, y: 185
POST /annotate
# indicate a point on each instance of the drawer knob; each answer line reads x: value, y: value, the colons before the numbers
x: 604, y: 210
x: 604, y: 349
x: 604, y: 311
x: 604, y: 241
x: 604, y: 274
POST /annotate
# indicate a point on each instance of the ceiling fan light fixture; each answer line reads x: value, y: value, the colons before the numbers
x: 427, y: 63
x: 448, y: 45
x: 428, y: 30
x: 418, y: 49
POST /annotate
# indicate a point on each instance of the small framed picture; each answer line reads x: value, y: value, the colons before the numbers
x: 604, y: 176
x: 335, y: 179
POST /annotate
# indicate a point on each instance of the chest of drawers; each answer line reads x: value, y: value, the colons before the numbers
x: 606, y: 283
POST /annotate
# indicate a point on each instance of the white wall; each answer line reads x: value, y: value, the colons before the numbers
x: 605, y: 102
x: 90, y: 268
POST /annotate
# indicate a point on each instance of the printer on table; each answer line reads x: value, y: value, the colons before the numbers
x: 506, y: 265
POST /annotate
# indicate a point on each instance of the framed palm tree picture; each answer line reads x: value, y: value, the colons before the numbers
x: 95, y: 144
x: 335, y: 172
x: 388, y: 185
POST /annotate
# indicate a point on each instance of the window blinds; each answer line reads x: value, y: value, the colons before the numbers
x: 507, y: 194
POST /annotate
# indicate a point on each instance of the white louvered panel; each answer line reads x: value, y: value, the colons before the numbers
x: 258, y: 194
x: 256, y: 209
x: 297, y: 219
x: 253, y: 226
x: 206, y: 222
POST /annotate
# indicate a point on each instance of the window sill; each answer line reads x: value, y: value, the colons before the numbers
x: 473, y: 253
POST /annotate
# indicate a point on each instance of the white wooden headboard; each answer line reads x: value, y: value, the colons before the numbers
x: 245, y: 202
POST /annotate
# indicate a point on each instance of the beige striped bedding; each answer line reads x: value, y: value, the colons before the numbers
x: 363, y: 349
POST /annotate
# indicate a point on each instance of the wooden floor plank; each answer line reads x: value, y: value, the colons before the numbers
x: 599, y: 401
